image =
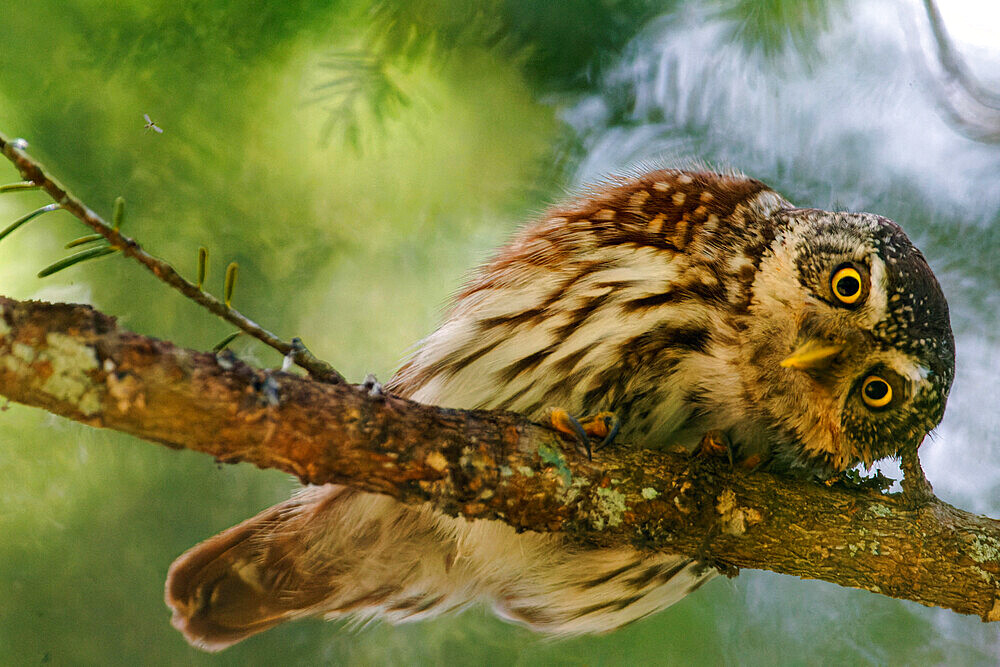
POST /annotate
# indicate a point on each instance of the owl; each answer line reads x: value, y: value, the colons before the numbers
x: 683, y: 303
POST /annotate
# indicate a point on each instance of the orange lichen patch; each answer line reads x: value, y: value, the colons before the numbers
x: 437, y: 461
x: 473, y: 509
x: 511, y: 437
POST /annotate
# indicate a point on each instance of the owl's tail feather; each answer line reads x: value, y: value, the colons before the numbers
x: 332, y: 551
x: 235, y: 584
x: 328, y: 551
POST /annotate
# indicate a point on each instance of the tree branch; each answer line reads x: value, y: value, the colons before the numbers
x: 76, y: 362
x: 36, y: 176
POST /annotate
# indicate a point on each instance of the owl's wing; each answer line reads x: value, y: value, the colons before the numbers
x: 329, y: 551
x: 228, y: 587
x: 607, y: 290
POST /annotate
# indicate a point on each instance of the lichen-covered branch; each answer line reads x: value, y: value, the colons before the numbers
x: 74, y: 361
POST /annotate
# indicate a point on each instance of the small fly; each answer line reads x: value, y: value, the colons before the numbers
x: 150, y: 125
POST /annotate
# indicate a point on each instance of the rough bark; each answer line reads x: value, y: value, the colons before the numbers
x: 76, y: 362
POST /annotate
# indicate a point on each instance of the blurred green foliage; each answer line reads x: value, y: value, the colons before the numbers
x: 351, y: 238
x: 772, y: 26
x: 559, y: 45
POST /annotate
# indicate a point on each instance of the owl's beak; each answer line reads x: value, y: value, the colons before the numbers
x: 811, y: 354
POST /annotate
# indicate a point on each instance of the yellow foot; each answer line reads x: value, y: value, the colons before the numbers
x: 603, y: 426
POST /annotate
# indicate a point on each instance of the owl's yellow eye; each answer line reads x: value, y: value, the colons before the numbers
x: 876, y: 392
x: 846, y: 285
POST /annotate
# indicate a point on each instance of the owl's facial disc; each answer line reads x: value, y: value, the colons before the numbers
x: 856, y: 351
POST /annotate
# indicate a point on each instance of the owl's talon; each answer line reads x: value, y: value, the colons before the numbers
x: 715, y: 443
x: 611, y: 426
x: 566, y: 423
x: 603, y: 425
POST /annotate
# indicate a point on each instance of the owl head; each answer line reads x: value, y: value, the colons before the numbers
x: 853, y: 353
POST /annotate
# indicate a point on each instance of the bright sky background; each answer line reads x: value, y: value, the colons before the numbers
x: 973, y: 22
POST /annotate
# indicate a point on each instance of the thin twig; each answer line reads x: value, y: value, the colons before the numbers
x: 32, y: 171
x: 12, y: 187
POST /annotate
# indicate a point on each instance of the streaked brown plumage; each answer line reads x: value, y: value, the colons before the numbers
x: 683, y: 302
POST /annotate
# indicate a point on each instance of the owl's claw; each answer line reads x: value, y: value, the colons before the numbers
x: 566, y: 423
x: 603, y: 425
x: 610, y: 425
x: 715, y: 443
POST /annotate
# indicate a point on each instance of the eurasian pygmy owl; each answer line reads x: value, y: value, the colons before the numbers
x: 683, y: 303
